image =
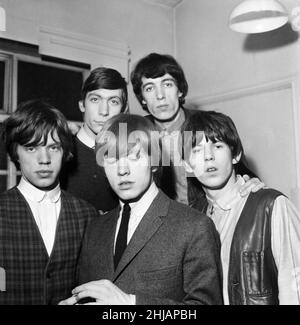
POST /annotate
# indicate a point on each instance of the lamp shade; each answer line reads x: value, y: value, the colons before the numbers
x: 2, y: 20
x: 258, y: 16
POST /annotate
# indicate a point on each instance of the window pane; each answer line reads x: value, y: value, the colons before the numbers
x: 60, y: 87
x: 2, y: 71
x: 3, y: 180
x: 3, y: 156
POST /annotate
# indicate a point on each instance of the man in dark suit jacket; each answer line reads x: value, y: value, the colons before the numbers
x: 151, y: 249
x: 41, y: 227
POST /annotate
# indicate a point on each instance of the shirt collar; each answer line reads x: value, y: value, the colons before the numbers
x: 36, y: 195
x: 85, y: 138
x: 228, y: 198
x: 142, y: 205
x: 176, y: 125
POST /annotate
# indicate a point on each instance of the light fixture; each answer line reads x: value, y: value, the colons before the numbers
x: 258, y: 16
x: 2, y: 20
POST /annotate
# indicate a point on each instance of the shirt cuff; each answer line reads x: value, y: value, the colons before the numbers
x: 132, y: 299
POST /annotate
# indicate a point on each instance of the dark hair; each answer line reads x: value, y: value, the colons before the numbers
x: 108, y: 79
x: 111, y: 138
x: 156, y: 65
x: 216, y: 127
x: 30, y: 125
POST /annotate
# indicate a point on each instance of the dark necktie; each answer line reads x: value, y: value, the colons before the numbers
x: 121, y: 242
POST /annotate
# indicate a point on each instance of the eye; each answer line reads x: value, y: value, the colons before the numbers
x: 196, y: 149
x: 115, y: 101
x: 110, y: 160
x: 148, y: 88
x: 55, y: 147
x: 134, y: 156
x: 169, y: 84
x: 30, y: 149
x: 218, y: 145
x: 94, y: 99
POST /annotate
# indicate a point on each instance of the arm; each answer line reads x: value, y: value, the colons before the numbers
x: 285, y: 248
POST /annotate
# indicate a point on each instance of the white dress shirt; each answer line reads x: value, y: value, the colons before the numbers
x: 45, y: 207
x: 225, y: 212
x: 138, y: 210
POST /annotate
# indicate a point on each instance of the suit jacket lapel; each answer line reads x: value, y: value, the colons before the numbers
x: 148, y: 226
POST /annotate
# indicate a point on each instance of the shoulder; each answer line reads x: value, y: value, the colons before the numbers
x: 77, y: 204
x: 186, y: 216
x: 10, y: 195
x: 264, y: 195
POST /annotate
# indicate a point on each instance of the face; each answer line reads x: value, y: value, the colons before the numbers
x: 40, y: 165
x: 129, y: 176
x: 161, y: 95
x: 99, y: 106
x: 212, y: 164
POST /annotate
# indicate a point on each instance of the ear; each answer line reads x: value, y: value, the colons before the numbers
x: 187, y: 167
x: 180, y: 94
x: 144, y: 102
x: 81, y: 106
x: 237, y: 158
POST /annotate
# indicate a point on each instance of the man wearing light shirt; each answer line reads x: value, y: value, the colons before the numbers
x: 150, y: 250
x: 260, y: 233
x: 41, y: 227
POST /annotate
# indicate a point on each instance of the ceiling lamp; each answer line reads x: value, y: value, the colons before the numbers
x: 258, y: 16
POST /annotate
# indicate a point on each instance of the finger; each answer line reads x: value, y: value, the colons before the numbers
x: 70, y: 301
x: 246, y: 177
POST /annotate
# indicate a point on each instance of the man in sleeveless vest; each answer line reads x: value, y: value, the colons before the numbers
x: 260, y: 233
x: 41, y: 226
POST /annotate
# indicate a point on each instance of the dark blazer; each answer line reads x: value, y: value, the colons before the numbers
x: 32, y: 277
x: 172, y: 257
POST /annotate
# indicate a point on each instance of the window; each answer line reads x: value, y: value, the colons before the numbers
x: 25, y: 75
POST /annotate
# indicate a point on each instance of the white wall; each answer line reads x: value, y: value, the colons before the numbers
x: 135, y: 24
x: 253, y: 78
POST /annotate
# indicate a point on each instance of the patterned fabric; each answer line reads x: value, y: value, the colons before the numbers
x: 31, y: 276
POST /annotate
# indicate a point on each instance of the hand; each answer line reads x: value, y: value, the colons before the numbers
x: 103, y: 291
x: 251, y: 185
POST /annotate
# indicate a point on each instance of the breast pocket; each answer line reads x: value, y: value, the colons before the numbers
x: 160, y: 283
x: 260, y: 276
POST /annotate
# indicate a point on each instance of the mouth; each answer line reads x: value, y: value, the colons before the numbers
x: 125, y: 185
x: 44, y: 173
x: 99, y: 123
x: 164, y: 106
x: 211, y: 170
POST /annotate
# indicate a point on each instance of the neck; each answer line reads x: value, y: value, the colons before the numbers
x: 217, y: 192
x: 89, y: 132
x: 165, y: 124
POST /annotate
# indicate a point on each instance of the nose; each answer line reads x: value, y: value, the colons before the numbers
x: 208, y: 153
x: 123, y: 167
x: 160, y: 92
x: 44, y: 157
x: 103, y: 108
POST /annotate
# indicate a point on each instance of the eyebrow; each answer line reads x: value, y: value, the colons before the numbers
x: 97, y: 95
x: 163, y: 80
